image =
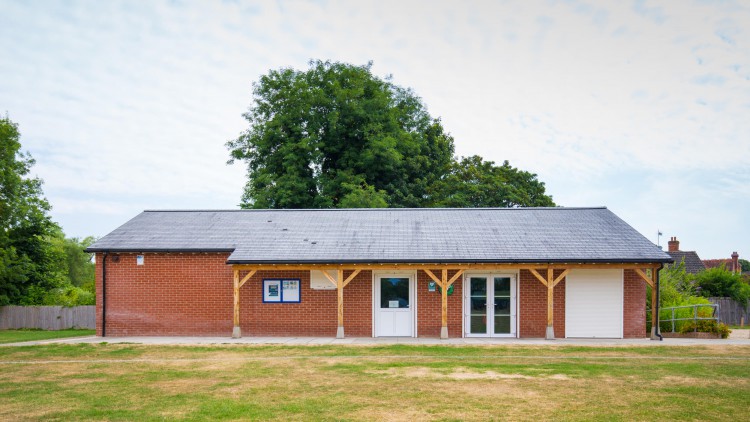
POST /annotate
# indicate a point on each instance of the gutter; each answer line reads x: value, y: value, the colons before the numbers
x: 447, y: 261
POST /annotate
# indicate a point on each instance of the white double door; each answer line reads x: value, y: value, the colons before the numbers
x: 490, y: 305
x: 394, y: 305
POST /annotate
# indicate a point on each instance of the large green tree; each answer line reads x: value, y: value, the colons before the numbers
x: 335, y: 135
x: 473, y: 182
x: 27, y: 258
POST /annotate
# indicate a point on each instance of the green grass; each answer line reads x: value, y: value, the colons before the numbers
x: 14, y: 336
x: 394, y: 382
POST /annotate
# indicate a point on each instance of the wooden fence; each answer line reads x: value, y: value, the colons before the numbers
x: 730, y: 311
x: 47, y: 317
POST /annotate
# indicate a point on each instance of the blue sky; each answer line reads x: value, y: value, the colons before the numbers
x: 643, y: 107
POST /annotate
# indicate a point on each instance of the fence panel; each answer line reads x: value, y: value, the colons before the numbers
x: 47, y: 317
x: 730, y: 311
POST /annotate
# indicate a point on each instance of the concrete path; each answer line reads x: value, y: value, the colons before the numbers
x: 739, y: 334
x: 300, y: 341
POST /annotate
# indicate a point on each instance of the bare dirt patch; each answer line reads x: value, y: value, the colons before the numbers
x: 459, y: 373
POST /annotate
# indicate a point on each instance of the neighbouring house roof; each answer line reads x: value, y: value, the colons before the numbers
x: 713, y: 263
x: 693, y: 263
x: 518, y: 235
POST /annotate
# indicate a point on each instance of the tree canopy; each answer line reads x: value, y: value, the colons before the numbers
x: 35, y: 257
x: 336, y: 135
x: 473, y: 182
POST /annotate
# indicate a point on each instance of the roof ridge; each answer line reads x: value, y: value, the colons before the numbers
x: 383, y: 209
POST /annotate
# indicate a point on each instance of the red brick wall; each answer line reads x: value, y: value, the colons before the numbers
x: 315, y: 315
x: 191, y: 294
x: 532, y: 306
x: 172, y: 294
x: 429, y: 308
x: 634, y: 305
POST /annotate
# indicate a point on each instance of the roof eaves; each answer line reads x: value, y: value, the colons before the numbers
x: 453, y: 261
x: 157, y: 250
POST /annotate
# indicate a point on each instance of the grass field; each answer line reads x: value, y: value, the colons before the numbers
x: 13, y: 336
x: 395, y: 382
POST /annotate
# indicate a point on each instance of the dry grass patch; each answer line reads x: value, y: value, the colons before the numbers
x: 131, y: 382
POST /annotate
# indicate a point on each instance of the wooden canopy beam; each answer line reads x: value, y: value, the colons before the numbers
x: 440, y: 266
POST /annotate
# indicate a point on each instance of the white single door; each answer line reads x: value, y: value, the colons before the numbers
x: 394, y: 297
x: 594, y: 304
x: 490, y: 305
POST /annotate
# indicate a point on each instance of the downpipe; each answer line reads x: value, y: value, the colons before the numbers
x: 658, y: 300
x: 104, y: 294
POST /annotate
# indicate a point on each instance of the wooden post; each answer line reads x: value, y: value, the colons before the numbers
x: 550, y: 335
x: 654, y: 306
x: 340, y: 290
x: 444, y: 305
x: 236, y: 332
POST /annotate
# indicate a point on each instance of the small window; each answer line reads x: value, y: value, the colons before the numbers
x: 139, y: 260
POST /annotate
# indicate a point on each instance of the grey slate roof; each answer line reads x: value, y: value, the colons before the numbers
x: 518, y: 235
x: 693, y: 263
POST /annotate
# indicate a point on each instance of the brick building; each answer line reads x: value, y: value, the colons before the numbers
x: 525, y: 272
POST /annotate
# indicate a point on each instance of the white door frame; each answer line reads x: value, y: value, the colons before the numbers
x: 412, y: 276
x: 490, y: 293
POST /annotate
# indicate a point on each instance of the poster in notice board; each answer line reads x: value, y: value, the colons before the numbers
x: 271, y: 290
x: 290, y: 290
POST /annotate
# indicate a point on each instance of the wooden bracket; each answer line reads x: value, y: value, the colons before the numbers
x: 560, y: 277
x: 351, y: 277
x: 538, y: 276
x: 645, y: 277
x: 247, y: 276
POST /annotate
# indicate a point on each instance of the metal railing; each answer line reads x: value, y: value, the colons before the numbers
x: 695, y: 318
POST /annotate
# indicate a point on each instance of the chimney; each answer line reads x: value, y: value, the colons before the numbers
x: 735, y: 262
x: 673, y: 244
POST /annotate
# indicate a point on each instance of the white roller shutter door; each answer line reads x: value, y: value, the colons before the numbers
x: 594, y: 303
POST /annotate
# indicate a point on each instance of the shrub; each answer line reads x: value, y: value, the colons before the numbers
x: 69, y: 296
x: 706, y: 326
x: 720, y: 282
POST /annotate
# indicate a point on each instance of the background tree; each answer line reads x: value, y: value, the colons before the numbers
x: 335, y: 135
x: 325, y: 133
x: 744, y: 265
x: 720, y: 282
x: 473, y: 182
x: 35, y: 257
x: 27, y: 258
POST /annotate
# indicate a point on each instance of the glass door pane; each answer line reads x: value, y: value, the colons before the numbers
x: 478, y: 303
x: 502, y: 305
x: 394, y: 293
